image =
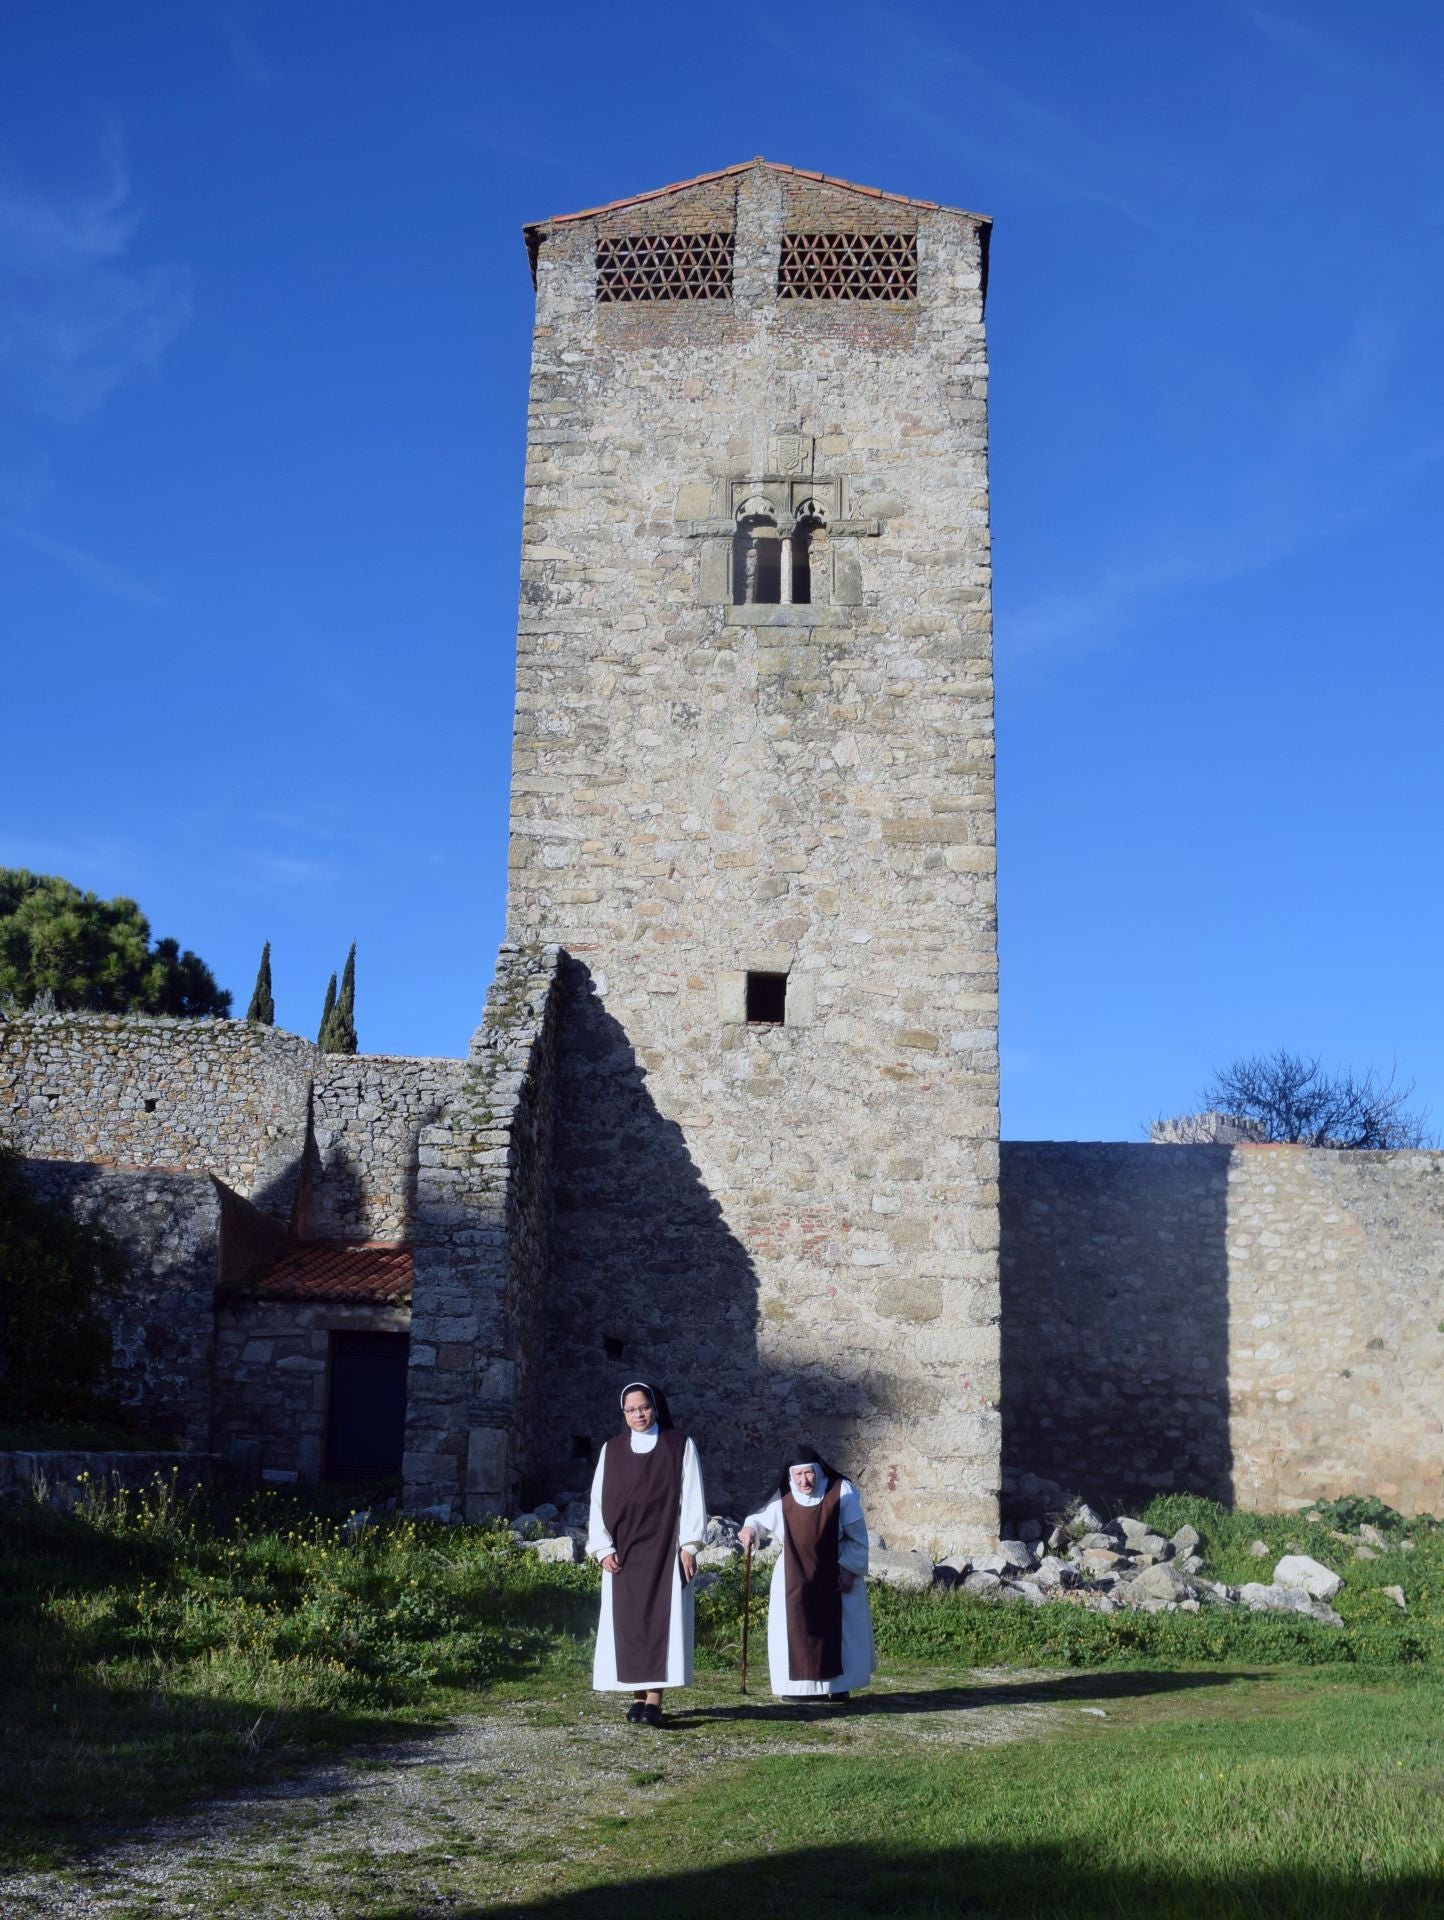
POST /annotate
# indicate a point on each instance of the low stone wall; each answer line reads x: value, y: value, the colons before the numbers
x: 479, y: 1256
x: 64, y: 1478
x: 168, y: 1227
x: 1265, y: 1324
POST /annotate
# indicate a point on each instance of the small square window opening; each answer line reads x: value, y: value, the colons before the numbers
x: 766, y: 999
x: 150, y: 1106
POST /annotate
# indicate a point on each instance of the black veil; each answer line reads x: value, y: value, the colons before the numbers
x: 802, y: 1455
x: 659, y: 1402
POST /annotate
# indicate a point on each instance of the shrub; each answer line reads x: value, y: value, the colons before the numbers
x: 55, y: 1274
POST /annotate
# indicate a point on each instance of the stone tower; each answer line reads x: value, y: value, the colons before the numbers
x: 753, y: 802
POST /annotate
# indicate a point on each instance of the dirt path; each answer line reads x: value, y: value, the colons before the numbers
x: 489, y: 1812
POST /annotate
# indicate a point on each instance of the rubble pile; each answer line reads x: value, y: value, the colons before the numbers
x: 1106, y: 1566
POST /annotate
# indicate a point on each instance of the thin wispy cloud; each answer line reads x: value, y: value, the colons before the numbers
x: 308, y: 826
x: 81, y: 317
x: 110, y: 581
x: 1326, y: 474
x: 289, y: 870
x: 1004, y: 128
x: 234, y: 24
x: 1354, y: 64
x: 507, y: 145
x: 80, y: 861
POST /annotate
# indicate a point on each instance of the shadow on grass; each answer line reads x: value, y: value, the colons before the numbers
x: 877, y: 1701
x: 1022, y: 1882
x: 113, y: 1714
x: 95, y: 1756
x: 44, y: 1550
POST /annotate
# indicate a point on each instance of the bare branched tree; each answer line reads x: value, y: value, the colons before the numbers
x: 1288, y: 1097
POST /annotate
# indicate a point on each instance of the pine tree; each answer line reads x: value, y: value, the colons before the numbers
x: 263, y: 1007
x: 95, y: 954
x: 326, y: 1013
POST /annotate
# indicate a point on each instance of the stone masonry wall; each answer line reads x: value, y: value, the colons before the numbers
x: 211, y: 1096
x: 793, y: 1227
x: 168, y: 1226
x: 480, y: 1255
x: 229, y: 1098
x: 1261, y: 1323
x: 370, y: 1112
x: 273, y: 1375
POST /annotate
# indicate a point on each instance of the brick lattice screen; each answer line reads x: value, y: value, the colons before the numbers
x: 848, y: 266
x: 665, y: 266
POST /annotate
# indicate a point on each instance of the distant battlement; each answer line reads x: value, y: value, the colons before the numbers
x: 1206, y: 1130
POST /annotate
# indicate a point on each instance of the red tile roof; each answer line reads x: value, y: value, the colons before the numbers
x: 533, y: 228
x: 378, y: 1274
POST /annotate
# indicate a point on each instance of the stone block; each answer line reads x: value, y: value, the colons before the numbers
x: 910, y: 1297
x: 900, y: 1568
x: 488, y: 1460
x: 732, y: 996
x: 1161, y: 1582
x: 561, y: 1549
x: 1311, y: 1576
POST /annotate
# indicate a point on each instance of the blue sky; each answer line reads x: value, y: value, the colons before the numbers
x: 264, y: 326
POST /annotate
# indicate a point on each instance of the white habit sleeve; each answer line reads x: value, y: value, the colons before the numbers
x: 851, y: 1530
x: 692, y: 1528
x: 599, y: 1541
x: 767, y: 1519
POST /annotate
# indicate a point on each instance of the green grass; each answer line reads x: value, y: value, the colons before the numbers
x: 1266, y: 1796
x: 154, y: 1649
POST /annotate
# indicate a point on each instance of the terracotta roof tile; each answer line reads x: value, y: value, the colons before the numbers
x: 533, y: 228
x: 378, y: 1274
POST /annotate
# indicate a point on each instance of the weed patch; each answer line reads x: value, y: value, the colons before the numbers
x: 153, y: 1646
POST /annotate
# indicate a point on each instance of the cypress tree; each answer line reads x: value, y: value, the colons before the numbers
x: 343, y: 1020
x: 263, y: 1007
x: 326, y: 1012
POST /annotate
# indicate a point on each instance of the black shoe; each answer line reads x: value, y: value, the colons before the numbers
x: 650, y: 1716
x: 839, y: 1696
x: 636, y: 1712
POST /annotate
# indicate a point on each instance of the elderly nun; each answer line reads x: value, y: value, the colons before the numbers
x: 648, y: 1523
x: 819, y: 1627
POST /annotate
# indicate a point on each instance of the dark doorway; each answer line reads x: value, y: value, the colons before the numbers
x: 367, y: 1420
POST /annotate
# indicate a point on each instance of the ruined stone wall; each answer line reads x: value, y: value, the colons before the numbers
x: 272, y: 1375
x: 167, y: 1225
x: 212, y: 1096
x: 480, y: 1255
x: 795, y: 1227
x: 1261, y: 1323
x: 229, y: 1098
x: 370, y: 1112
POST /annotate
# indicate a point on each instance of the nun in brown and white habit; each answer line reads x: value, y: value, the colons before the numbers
x: 648, y: 1523
x: 819, y: 1625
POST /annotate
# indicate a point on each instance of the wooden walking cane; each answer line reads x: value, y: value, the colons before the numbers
x: 746, y: 1610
